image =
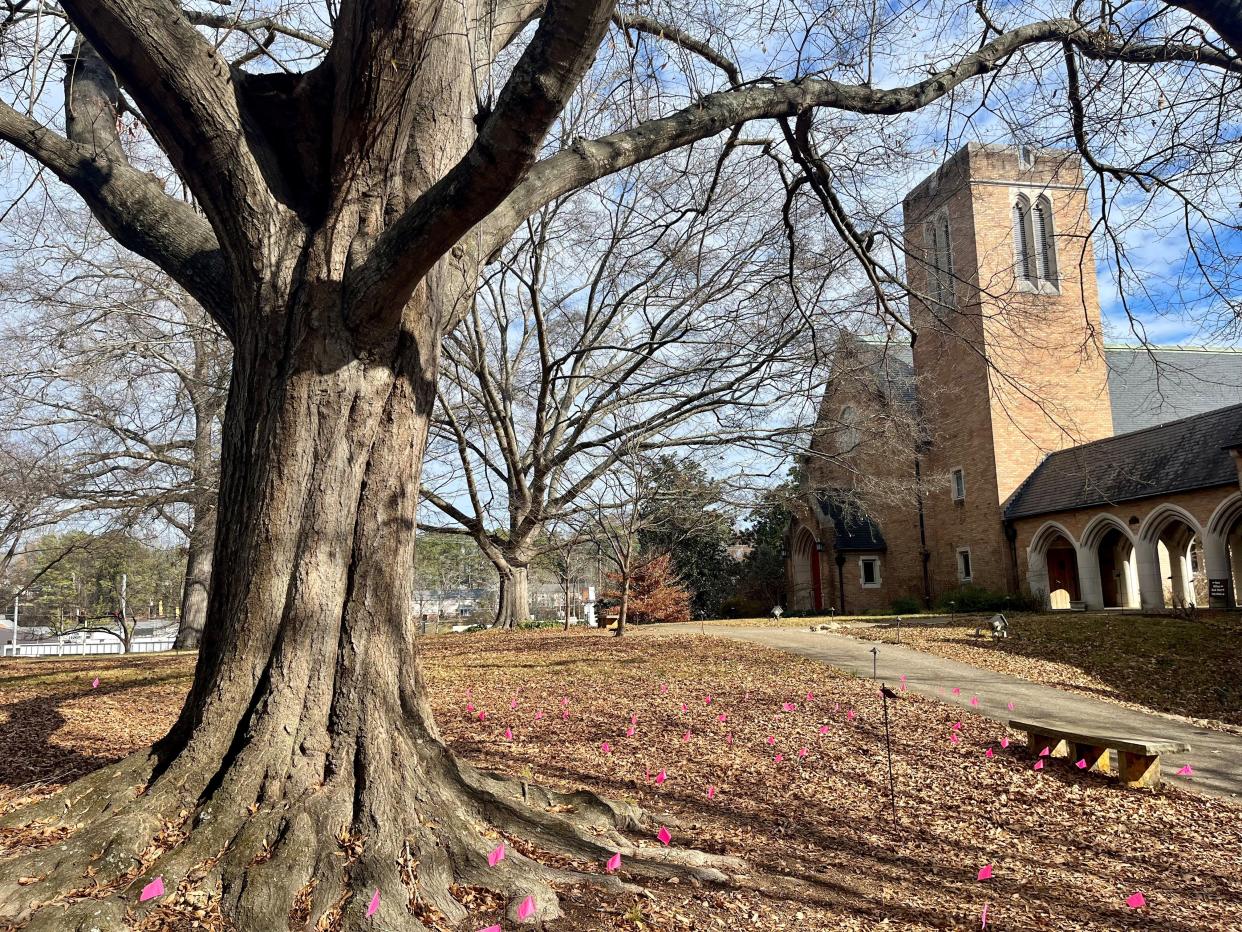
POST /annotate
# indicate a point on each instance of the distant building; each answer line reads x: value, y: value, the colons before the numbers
x: 1033, y: 457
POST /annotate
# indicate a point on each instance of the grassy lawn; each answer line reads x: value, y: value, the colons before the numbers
x: 1066, y: 849
x: 1187, y: 668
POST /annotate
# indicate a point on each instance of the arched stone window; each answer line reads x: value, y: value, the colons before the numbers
x: 1034, y: 243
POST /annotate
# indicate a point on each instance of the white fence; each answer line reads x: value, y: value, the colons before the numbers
x: 71, y: 649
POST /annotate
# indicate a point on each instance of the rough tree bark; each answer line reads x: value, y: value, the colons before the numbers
x: 513, y: 602
x: 197, y: 582
x: 305, y: 769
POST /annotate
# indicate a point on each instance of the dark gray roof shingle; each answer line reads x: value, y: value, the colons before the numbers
x: 1174, y: 457
x: 852, y: 529
x: 1158, y: 384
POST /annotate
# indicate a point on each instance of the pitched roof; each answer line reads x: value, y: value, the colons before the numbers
x: 1158, y: 384
x: 1174, y: 457
x: 852, y: 528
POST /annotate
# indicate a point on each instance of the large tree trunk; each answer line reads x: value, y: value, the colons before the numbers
x: 197, y: 581
x: 513, y: 602
x: 305, y: 770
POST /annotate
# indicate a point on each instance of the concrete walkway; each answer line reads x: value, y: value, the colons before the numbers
x: 1215, y: 757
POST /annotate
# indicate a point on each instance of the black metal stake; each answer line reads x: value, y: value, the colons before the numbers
x: 885, y: 693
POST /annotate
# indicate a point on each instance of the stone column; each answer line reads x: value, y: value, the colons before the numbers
x: 1037, y: 575
x: 1216, y: 564
x: 1151, y: 586
x: 1090, y: 586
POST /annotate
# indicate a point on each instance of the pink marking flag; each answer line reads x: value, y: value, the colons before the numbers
x: 824, y: 729
x: 729, y: 738
x: 152, y: 890
x: 496, y: 855
x: 850, y: 715
x: 606, y: 747
x: 1046, y: 752
x: 565, y: 716
x: 707, y: 700
x: 483, y: 716
x: 957, y: 691
x: 957, y: 726
x: 1081, y: 764
x: 810, y: 697
x: 492, y: 928
x: 614, y: 863
x: 373, y: 906
x: 508, y: 734
x: 633, y: 718
x: 526, y: 908
x: 953, y: 737
x: 661, y: 777
x: 974, y: 700
x: 989, y: 753
x: 664, y: 835
x: 722, y: 717
x: 629, y: 732
x: 513, y: 704
x: 1039, y: 765
x: 1004, y: 742
x: 1010, y: 707
x: 711, y: 792
x: 95, y: 683
x: 1136, y: 900
x: 788, y: 707
x: 469, y: 706
x: 1186, y: 771
x: 539, y: 715
x: 771, y: 739
x: 985, y: 872
x: 664, y: 687
x: 903, y: 687
x: 684, y: 707
x: 803, y: 752
x: 778, y: 758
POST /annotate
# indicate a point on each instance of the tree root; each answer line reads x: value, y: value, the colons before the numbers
x: 317, y: 857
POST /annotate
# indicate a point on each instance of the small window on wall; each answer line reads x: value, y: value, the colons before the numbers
x: 959, y: 485
x: 963, y: 565
x: 869, y: 572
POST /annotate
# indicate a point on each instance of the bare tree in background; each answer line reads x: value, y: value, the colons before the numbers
x: 349, y: 175
x: 115, y: 363
x: 648, y: 314
x: 30, y: 484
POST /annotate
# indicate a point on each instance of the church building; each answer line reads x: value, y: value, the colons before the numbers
x: 1010, y: 448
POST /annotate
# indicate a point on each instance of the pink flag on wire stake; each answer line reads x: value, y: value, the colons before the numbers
x: 492, y: 928
x: 526, y: 908
x: 989, y: 753
x: 661, y: 777
x: 1039, y: 764
x: 508, y: 734
x: 152, y: 890
x: 1004, y: 742
x: 496, y: 855
x: 614, y: 863
x: 1186, y: 771
x: 985, y: 872
x: 1046, y: 752
x: 606, y: 748
x: 1081, y: 764
x: 664, y: 835
x: 373, y: 906
x: 1136, y: 900
x: 711, y: 792
x: 95, y: 683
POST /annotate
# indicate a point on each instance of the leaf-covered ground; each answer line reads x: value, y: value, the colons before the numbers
x: 1066, y: 850
x: 1147, y: 662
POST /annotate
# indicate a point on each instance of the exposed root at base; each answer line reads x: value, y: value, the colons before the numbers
x: 315, y: 860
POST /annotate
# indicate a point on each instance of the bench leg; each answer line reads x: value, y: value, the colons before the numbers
x: 1095, y: 756
x: 1035, y: 742
x: 1138, y: 769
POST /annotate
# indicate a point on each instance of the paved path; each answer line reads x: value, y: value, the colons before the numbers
x: 1215, y: 756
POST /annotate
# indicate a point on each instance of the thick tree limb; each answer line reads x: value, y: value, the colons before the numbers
x: 548, y: 72
x: 589, y: 160
x: 133, y: 207
x: 652, y: 27
x: 185, y: 90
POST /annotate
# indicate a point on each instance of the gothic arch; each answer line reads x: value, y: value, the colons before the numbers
x: 1046, y: 534
x: 1160, y: 517
x: 1226, y: 513
x: 1100, y: 525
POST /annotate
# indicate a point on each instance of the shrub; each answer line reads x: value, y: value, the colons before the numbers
x: 907, y: 605
x: 977, y: 599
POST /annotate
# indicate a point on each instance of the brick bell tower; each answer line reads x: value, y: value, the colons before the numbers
x: 1010, y: 350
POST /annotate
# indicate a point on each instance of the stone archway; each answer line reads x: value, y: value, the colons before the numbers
x: 1052, y: 567
x: 1222, y: 546
x: 1170, y: 558
x: 1109, y: 560
x: 807, y: 593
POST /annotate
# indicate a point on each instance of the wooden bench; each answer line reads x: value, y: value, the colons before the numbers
x: 1138, y: 759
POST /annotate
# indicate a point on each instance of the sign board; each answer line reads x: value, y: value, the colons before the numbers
x: 1217, y: 588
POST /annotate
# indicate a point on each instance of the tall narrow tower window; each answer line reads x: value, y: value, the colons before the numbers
x: 1022, y: 266
x: 1045, y: 244
x: 939, y: 260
